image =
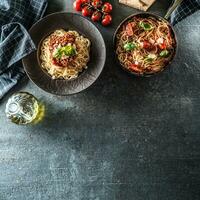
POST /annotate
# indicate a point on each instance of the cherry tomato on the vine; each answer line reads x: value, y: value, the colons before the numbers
x: 87, y: 11
x: 96, y: 9
x: 97, y: 3
x: 96, y: 16
x: 77, y: 5
x: 107, y: 7
x: 85, y: 1
x: 107, y: 19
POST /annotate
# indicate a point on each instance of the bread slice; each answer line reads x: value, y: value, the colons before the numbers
x: 138, y: 4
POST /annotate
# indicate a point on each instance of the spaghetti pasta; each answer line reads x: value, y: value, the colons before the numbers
x: 145, y: 45
x: 65, y: 54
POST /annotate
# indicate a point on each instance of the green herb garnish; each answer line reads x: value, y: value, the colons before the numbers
x: 150, y: 58
x: 164, y: 53
x: 68, y: 50
x: 145, y: 26
x: 130, y: 46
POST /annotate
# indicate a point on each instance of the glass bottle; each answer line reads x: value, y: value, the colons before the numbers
x: 23, y: 108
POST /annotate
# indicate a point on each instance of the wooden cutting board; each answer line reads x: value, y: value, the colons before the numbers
x: 139, y: 4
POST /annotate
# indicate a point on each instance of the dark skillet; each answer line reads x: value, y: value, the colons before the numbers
x: 145, y: 15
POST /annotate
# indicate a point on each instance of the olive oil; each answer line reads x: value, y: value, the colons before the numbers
x: 23, y: 108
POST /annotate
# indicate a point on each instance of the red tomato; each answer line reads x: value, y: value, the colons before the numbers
x: 146, y: 45
x: 163, y: 46
x: 96, y: 16
x: 57, y: 62
x: 107, y: 19
x: 86, y: 11
x: 135, y: 68
x: 77, y: 5
x: 129, y: 29
x: 54, y: 61
x: 97, y: 3
x: 85, y: 1
x: 107, y: 7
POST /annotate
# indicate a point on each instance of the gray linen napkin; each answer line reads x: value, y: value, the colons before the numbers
x: 186, y: 8
x: 16, y: 16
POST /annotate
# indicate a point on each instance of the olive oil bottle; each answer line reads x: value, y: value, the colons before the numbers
x: 23, y: 108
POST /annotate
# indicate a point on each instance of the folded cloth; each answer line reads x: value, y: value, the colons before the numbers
x: 186, y: 8
x: 15, y: 43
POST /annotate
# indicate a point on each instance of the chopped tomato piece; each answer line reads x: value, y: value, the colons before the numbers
x: 54, y: 61
x: 146, y: 45
x: 129, y: 29
x: 135, y: 67
x: 163, y: 46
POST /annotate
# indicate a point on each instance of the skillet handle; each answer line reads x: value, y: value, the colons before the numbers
x: 175, y: 4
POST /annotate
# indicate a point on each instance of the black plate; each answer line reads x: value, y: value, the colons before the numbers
x: 67, y: 21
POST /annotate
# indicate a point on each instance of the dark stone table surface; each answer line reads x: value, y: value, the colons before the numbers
x: 124, y: 138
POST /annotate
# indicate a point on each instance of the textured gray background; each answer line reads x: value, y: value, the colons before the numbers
x: 124, y: 138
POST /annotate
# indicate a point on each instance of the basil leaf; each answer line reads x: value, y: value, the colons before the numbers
x: 145, y: 26
x: 164, y: 53
x: 150, y: 58
x: 58, y: 54
x: 68, y: 50
x: 130, y: 46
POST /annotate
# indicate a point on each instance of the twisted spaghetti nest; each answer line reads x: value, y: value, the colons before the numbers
x: 64, y: 54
